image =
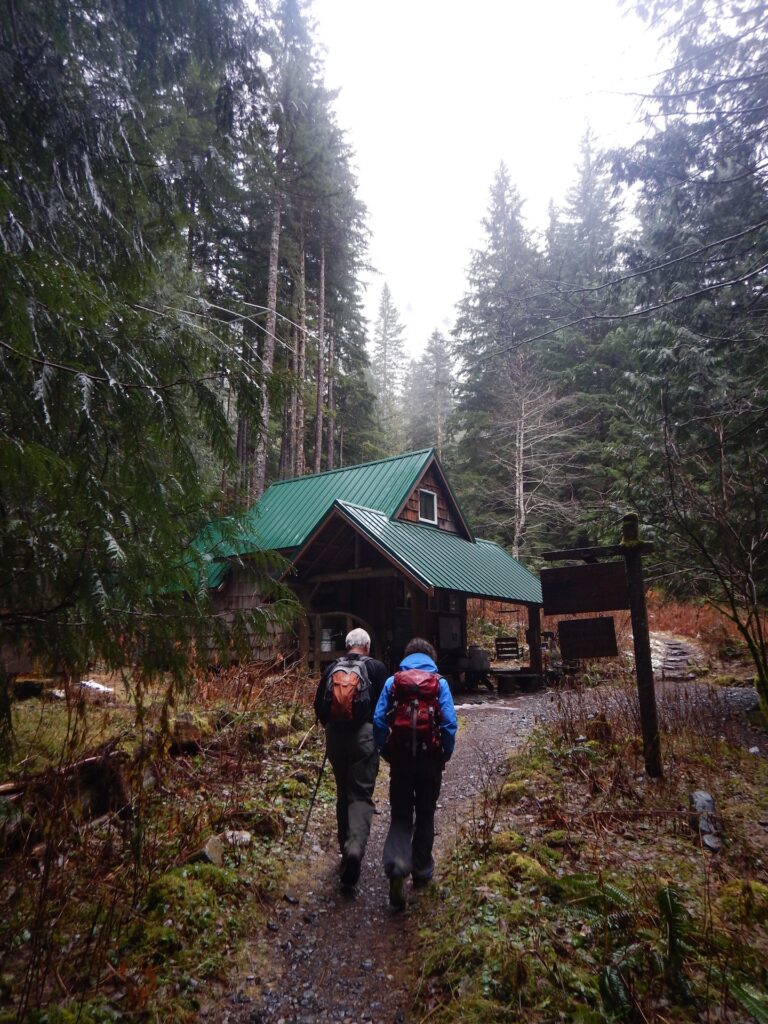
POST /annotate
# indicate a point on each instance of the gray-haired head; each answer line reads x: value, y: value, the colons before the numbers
x: 358, y: 638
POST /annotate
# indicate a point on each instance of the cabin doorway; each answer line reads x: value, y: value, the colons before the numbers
x: 327, y: 634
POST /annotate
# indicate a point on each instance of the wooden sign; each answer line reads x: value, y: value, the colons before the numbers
x: 601, y: 587
x: 587, y: 638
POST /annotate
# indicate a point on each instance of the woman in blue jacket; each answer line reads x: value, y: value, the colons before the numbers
x: 415, y: 769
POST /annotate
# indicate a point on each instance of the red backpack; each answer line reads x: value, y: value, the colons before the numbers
x: 415, y: 716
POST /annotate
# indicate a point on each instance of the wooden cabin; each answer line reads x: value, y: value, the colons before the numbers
x: 383, y: 545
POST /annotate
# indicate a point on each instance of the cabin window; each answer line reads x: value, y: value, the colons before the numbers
x: 428, y: 507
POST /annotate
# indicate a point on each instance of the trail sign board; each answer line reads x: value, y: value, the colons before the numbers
x: 632, y: 591
x: 587, y: 638
x: 570, y: 589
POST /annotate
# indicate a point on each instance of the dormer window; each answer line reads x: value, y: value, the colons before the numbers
x: 428, y: 507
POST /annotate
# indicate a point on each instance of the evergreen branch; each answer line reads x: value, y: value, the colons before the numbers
x: 643, y: 311
x: 666, y: 264
x: 180, y: 382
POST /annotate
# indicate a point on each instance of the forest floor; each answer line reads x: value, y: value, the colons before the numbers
x: 336, y: 957
x: 332, y: 957
x: 545, y: 792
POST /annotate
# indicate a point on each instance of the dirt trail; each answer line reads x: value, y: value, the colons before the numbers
x: 335, y: 959
x: 338, y: 958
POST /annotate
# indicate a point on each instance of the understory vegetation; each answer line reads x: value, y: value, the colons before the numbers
x: 145, y: 841
x: 127, y: 891
x: 581, y: 890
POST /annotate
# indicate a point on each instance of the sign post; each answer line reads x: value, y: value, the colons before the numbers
x: 646, y: 694
x: 607, y: 586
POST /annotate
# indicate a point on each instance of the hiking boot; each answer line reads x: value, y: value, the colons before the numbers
x: 350, y: 871
x: 421, y: 883
x: 397, y: 899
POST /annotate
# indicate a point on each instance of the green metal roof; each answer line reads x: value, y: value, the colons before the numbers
x: 445, y: 560
x: 288, y: 511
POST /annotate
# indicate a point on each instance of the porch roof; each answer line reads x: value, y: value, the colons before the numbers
x: 439, y: 559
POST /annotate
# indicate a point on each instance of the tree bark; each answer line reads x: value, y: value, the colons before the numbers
x: 299, y: 466
x: 520, y: 511
x: 320, y: 367
x: 242, y: 450
x: 267, y: 355
x: 331, y: 407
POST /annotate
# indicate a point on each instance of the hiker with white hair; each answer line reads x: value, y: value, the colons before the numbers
x: 346, y: 697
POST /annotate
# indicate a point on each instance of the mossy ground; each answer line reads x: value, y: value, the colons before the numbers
x: 577, y: 890
x: 581, y: 893
x: 111, y: 922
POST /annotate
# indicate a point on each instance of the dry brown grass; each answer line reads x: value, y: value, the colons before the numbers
x: 246, y: 686
x: 695, y: 620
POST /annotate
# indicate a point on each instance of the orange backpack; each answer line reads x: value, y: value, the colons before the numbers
x: 347, y: 698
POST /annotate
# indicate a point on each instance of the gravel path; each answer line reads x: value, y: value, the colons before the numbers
x: 336, y: 959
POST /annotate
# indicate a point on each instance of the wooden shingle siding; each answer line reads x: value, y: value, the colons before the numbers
x: 240, y: 594
x: 446, y: 519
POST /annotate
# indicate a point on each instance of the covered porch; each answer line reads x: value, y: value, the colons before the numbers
x: 397, y: 581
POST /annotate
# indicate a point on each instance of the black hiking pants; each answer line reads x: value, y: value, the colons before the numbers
x: 355, y: 763
x: 414, y: 786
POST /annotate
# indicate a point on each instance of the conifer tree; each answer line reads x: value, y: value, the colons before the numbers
x: 692, y: 447
x: 388, y: 366
x: 496, y: 317
x: 428, y: 396
x: 584, y: 358
x: 111, y: 415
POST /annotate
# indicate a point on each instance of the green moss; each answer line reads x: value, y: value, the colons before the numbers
x: 495, y: 880
x: 264, y: 822
x: 513, y: 792
x: 96, y: 1012
x: 745, y: 901
x: 724, y: 681
x: 546, y: 854
x: 506, y: 842
x: 280, y: 725
x: 293, y: 789
x: 155, y: 942
x: 518, y: 865
x: 558, y: 837
x: 184, y: 912
x: 192, y: 888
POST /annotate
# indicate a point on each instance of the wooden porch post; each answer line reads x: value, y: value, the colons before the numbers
x: 533, y: 636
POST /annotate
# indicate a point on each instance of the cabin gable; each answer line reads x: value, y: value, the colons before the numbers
x: 431, y: 503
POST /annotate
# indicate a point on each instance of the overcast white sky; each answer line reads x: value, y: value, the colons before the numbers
x: 435, y: 93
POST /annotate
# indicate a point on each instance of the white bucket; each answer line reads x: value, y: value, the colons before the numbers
x: 326, y: 641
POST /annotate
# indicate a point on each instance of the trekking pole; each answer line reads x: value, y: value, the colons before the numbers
x: 314, y: 797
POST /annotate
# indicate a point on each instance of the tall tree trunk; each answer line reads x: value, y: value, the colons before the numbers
x: 267, y: 355
x: 301, y: 359
x: 242, y: 452
x: 320, y: 367
x: 288, y: 443
x: 284, y: 461
x: 517, y: 538
x: 331, y: 405
x: 440, y: 425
